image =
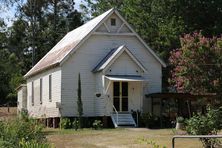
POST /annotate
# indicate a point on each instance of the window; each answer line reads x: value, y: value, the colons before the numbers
x: 50, y: 88
x: 40, y: 98
x: 32, y: 93
x: 113, y: 21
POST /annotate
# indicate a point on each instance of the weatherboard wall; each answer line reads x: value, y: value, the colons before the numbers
x: 22, y: 98
x: 87, y: 57
x: 47, y: 108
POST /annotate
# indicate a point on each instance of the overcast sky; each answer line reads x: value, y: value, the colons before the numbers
x: 8, y: 15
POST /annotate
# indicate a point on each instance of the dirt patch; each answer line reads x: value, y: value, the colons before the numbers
x: 112, y: 138
x: 8, y: 113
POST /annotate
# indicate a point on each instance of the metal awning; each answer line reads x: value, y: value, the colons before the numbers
x: 125, y: 78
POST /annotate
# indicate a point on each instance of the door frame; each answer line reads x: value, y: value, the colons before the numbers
x: 120, y: 97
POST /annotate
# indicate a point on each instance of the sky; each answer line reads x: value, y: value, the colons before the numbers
x: 8, y: 14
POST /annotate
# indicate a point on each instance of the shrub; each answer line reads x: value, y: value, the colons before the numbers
x: 180, y: 120
x: 97, y: 124
x: 5, y: 144
x: 148, y: 119
x: 13, y: 131
x: 208, y: 124
x: 65, y: 123
x: 75, y: 124
x: 34, y: 144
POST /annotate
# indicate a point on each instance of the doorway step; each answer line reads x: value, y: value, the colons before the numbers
x: 123, y: 119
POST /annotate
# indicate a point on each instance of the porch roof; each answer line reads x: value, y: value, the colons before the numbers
x: 113, y: 55
x: 181, y: 95
x: 124, y: 78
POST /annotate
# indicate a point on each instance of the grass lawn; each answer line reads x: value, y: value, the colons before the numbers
x: 122, y: 137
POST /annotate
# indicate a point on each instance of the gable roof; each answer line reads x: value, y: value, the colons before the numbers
x: 66, y: 44
x: 72, y: 40
x: 113, y: 55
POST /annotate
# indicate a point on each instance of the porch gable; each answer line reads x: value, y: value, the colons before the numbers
x: 114, y: 55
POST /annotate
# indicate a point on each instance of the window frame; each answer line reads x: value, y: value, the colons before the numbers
x: 41, y: 90
x: 50, y: 88
x: 113, y: 21
x: 32, y: 99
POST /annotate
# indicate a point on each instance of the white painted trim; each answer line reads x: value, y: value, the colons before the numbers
x: 112, y: 58
x: 108, y: 86
x: 116, y: 56
x: 97, y: 26
x: 125, y: 79
x: 86, y: 37
x: 141, y: 40
x: 106, y: 26
x: 120, y: 27
x: 112, y: 34
x: 136, y: 60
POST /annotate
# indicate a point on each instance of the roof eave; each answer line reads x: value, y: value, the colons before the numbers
x: 40, y: 71
x: 144, y: 43
x: 86, y: 37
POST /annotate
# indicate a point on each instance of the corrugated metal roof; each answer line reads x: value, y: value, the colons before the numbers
x: 73, y: 39
x: 101, y: 65
x: 66, y: 44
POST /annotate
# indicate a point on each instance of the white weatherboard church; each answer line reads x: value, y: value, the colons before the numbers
x: 117, y: 69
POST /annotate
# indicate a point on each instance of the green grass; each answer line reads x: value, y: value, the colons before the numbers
x: 128, y: 137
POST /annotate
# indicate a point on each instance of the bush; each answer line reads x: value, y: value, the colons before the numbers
x: 76, y: 124
x: 34, y: 144
x: 14, y: 131
x: 5, y: 144
x: 180, y: 120
x: 148, y: 119
x: 97, y: 124
x: 65, y: 123
x: 208, y: 124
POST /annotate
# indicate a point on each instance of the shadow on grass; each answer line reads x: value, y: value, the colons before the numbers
x: 48, y: 131
x: 58, y: 131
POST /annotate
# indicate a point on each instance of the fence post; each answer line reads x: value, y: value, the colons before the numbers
x: 173, y: 142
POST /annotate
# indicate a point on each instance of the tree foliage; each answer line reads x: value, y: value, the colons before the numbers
x: 37, y: 27
x: 156, y: 21
x: 19, y: 131
x: 10, y: 72
x: 196, y: 66
x: 39, y: 24
x: 161, y: 22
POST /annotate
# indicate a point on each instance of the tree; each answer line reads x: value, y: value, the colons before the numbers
x: 197, y: 64
x: 38, y: 26
x: 49, y: 21
x: 156, y: 21
x: 9, y: 68
x: 79, y: 101
x: 161, y: 22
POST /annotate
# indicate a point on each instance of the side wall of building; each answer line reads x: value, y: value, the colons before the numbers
x: 46, y: 107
